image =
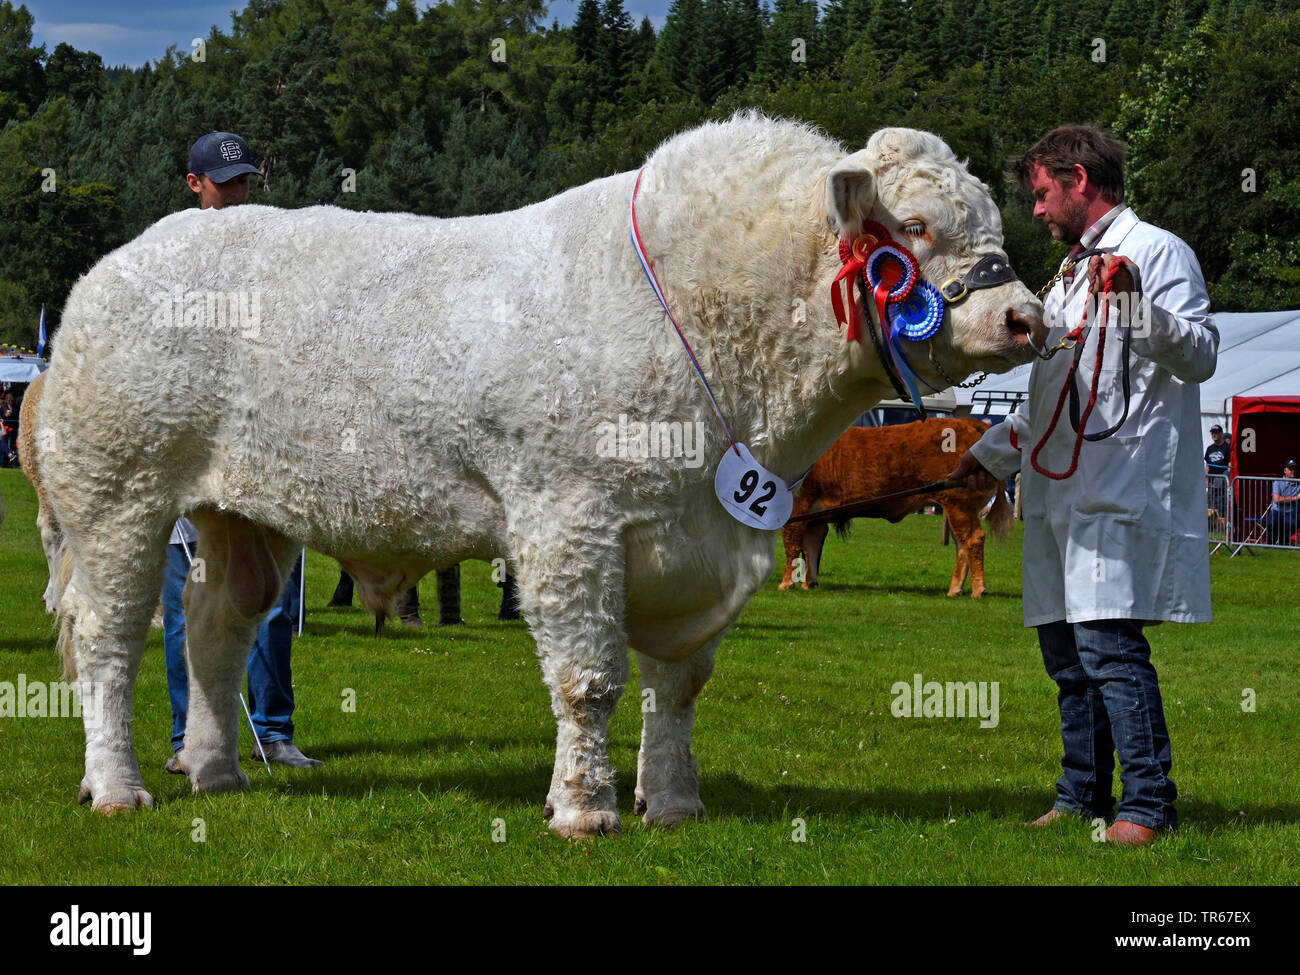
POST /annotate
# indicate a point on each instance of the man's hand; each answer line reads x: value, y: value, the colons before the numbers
x: 1101, y: 265
x: 973, y: 473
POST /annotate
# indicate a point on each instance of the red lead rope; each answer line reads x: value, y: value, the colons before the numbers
x: 1107, y: 287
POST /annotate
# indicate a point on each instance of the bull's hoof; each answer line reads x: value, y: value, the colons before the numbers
x: 548, y: 811
x: 669, y: 812
x: 639, y: 806
x: 585, y: 825
x: 233, y: 780
x: 784, y: 585
x: 123, y: 799
x: 977, y: 595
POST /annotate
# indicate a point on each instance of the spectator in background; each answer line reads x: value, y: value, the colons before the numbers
x: 1284, y: 512
x: 1218, y: 456
x: 219, y: 169
x: 8, y: 431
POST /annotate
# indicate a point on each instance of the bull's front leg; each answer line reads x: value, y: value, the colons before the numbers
x: 574, y: 600
x: 667, y: 783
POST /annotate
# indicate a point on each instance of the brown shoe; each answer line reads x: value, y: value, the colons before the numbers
x: 1049, y: 817
x: 1130, y: 834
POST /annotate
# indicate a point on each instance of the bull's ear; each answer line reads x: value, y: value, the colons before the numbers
x: 850, y: 195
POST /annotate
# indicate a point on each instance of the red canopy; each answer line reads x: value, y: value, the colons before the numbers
x: 1265, y: 434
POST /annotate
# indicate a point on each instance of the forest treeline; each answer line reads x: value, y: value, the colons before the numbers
x: 471, y: 106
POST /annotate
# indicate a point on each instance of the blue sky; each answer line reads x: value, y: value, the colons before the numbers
x: 135, y: 31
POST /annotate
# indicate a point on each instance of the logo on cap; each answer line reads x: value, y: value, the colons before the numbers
x: 230, y: 151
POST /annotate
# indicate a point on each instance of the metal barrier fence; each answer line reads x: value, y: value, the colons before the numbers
x: 1254, y: 519
x: 1218, y: 508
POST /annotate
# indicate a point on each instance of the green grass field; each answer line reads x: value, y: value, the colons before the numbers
x: 452, y: 736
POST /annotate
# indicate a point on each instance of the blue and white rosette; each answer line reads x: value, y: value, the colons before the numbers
x: 919, y: 315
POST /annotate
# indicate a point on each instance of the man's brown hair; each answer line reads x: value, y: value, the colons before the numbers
x: 1058, y: 152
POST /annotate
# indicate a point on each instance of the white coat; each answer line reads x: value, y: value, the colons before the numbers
x: 1125, y: 536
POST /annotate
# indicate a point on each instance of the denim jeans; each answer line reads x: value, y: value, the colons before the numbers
x: 1110, y: 705
x: 270, y: 680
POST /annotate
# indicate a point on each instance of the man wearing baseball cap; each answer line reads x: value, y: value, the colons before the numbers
x: 1218, y: 456
x: 219, y: 169
x: 218, y: 173
x: 1284, y: 514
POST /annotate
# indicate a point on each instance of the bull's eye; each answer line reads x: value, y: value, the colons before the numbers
x: 913, y: 229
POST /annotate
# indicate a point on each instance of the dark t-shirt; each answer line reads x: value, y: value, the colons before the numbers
x: 1217, y: 457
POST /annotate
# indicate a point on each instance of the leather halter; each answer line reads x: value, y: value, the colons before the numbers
x: 989, y: 271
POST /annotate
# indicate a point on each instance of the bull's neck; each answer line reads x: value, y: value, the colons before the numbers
x: 790, y: 415
x: 753, y: 296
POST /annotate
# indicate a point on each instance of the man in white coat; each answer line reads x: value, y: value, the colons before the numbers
x: 1118, y: 541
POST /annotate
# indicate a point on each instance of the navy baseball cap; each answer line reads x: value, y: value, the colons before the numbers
x: 220, y: 155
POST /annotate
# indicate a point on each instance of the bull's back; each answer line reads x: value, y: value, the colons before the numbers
x: 315, y: 348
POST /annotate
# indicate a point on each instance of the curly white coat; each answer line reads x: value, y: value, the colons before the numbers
x: 411, y: 392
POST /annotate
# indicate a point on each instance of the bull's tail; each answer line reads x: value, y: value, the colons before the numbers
x: 63, y: 598
x: 842, y: 526
x: 1000, y: 516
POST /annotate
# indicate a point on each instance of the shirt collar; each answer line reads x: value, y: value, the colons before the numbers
x: 1093, y: 233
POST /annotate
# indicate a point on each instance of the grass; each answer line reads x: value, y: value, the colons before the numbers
x: 453, y: 736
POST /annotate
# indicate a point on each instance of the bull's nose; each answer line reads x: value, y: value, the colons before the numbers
x: 1024, y: 326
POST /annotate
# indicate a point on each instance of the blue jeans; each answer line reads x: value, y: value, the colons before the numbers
x: 270, y: 680
x: 1281, y: 523
x: 1110, y: 705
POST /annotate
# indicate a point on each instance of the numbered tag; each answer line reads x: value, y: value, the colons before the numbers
x: 752, y: 494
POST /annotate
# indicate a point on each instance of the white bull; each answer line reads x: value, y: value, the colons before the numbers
x: 404, y: 393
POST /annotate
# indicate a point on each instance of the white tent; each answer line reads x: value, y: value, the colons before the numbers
x: 21, y: 368
x: 1259, y: 355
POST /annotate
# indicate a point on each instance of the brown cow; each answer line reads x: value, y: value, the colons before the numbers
x: 866, y: 462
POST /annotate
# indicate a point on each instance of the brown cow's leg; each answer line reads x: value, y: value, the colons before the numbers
x: 968, y: 532
x: 813, y: 537
x: 792, y: 540
x: 962, y: 567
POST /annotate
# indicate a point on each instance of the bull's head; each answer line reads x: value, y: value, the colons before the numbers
x: 911, y: 183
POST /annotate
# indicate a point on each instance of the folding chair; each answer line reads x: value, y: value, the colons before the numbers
x: 1255, y: 529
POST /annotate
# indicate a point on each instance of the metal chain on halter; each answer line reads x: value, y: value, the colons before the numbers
x: 1066, y: 343
x: 934, y: 361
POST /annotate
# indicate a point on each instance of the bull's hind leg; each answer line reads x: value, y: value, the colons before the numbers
x: 667, y: 784
x: 242, y: 570
x: 116, y: 578
x: 571, y: 591
x: 50, y: 540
